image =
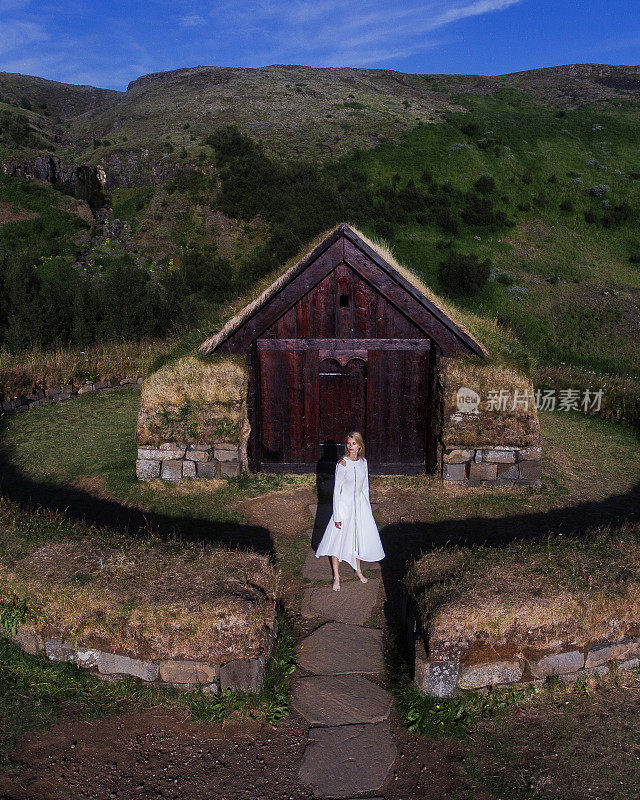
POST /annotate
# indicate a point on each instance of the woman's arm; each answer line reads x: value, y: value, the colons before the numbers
x: 337, y: 489
x: 365, y: 483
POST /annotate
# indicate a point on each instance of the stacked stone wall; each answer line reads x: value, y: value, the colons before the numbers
x: 176, y: 461
x: 213, y: 678
x: 441, y: 669
x: 54, y: 394
x: 495, y: 466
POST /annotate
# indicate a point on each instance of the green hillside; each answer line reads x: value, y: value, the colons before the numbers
x: 214, y: 177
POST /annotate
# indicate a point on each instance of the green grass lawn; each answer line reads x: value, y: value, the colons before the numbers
x: 94, y: 435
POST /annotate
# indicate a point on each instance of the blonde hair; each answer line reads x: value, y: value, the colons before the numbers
x: 359, y: 441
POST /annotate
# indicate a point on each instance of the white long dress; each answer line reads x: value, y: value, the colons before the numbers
x: 358, y: 536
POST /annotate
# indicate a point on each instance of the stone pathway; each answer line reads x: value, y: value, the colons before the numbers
x: 350, y: 748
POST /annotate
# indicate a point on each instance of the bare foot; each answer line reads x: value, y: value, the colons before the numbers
x: 336, y: 584
x: 361, y: 576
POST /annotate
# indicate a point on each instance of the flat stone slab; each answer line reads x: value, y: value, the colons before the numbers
x: 336, y: 648
x: 486, y: 674
x: 559, y: 664
x: 340, y: 700
x: 317, y: 569
x: 353, y: 603
x: 348, y: 759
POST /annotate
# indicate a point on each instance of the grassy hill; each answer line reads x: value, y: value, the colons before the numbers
x: 536, y: 172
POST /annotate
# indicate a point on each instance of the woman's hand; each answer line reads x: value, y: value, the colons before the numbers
x: 338, y: 524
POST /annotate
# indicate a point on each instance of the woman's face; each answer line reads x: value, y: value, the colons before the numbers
x: 352, y: 447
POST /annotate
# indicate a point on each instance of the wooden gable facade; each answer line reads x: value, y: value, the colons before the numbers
x: 346, y: 343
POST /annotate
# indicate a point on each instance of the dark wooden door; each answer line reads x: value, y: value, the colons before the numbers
x: 397, y: 424
x: 311, y: 392
x: 288, y: 407
x: 342, y: 400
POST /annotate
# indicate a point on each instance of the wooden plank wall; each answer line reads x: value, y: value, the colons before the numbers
x: 319, y: 315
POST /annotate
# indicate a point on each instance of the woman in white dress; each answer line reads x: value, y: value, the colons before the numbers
x: 351, y: 534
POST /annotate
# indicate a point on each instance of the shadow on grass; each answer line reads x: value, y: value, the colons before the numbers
x: 87, y: 508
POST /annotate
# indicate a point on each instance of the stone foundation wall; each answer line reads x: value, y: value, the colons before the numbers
x: 443, y: 671
x: 496, y: 466
x: 54, y: 394
x: 239, y: 674
x: 175, y: 461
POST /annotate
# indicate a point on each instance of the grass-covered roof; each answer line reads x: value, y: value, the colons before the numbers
x: 276, y: 281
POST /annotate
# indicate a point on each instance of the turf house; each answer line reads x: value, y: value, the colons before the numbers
x: 342, y: 338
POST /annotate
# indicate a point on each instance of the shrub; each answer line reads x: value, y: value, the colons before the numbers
x: 617, y: 215
x: 590, y: 216
x: 634, y: 258
x: 480, y: 211
x: 485, y: 184
x: 463, y: 274
x: 540, y: 200
x: 385, y: 229
x: 566, y: 205
x: 447, y: 220
x: 470, y: 129
x: 426, y: 176
x: 505, y: 278
x: 15, y: 131
x: 527, y: 177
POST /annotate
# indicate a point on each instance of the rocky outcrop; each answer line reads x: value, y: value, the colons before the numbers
x: 117, y: 169
x: 47, y: 168
x: 139, y: 168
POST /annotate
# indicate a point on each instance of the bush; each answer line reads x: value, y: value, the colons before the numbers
x: 590, y: 216
x: 426, y: 176
x: 540, y: 200
x: 485, y: 184
x: 480, y: 211
x: 385, y: 229
x: 617, y: 215
x: 566, y: 205
x: 463, y: 274
x: 470, y: 129
x: 447, y: 221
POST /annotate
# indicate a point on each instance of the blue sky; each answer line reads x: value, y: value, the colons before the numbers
x: 110, y: 42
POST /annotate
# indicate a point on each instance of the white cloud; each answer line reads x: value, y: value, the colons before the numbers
x: 192, y: 21
x: 336, y: 32
x: 12, y: 5
x: 16, y: 34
